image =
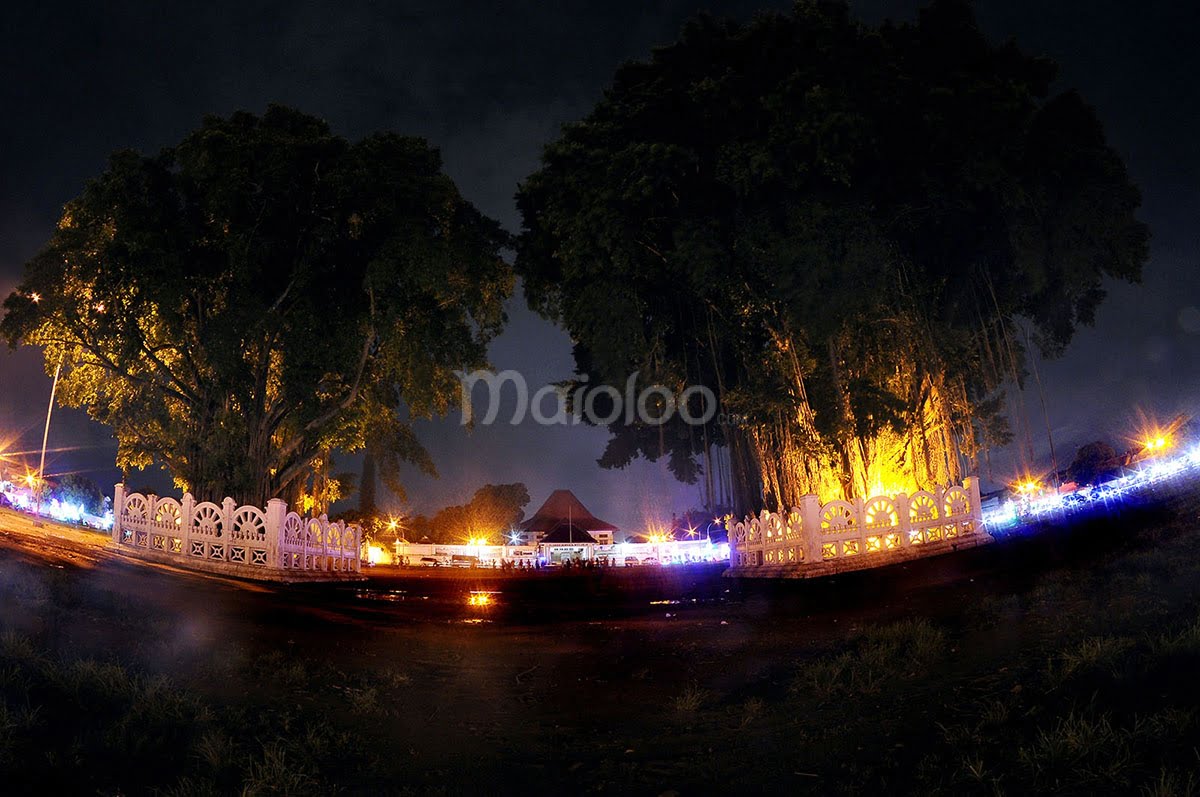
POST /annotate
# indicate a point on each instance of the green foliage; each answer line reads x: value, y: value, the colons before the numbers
x: 883, y: 655
x: 76, y: 488
x: 833, y: 227
x: 262, y: 293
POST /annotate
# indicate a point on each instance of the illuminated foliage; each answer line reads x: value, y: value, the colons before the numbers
x: 77, y: 489
x: 491, y: 512
x: 840, y: 230
x: 262, y: 294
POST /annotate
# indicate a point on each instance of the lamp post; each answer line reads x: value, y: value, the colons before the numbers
x: 41, y: 482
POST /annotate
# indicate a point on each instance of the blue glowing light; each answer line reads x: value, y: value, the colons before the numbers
x: 1029, y: 508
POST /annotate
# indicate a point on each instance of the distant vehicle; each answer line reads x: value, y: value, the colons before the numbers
x: 631, y: 561
x: 1073, y: 501
x: 462, y: 560
x: 650, y: 560
x: 1105, y: 492
x: 428, y: 561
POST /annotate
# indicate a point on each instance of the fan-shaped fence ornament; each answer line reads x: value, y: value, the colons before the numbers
x: 956, y: 502
x: 168, y: 512
x: 136, y: 507
x: 922, y: 506
x: 837, y: 516
x: 249, y: 523
x: 207, y: 520
x: 881, y: 512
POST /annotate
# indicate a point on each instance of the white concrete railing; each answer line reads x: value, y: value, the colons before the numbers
x: 203, y: 534
x: 861, y: 533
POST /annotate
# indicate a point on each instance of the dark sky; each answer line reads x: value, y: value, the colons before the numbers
x: 490, y: 83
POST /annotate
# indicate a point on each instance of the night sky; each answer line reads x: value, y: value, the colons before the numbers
x: 490, y: 84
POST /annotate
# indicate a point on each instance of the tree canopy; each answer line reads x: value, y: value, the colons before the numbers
x: 265, y: 292
x: 491, y: 512
x: 75, y: 488
x: 839, y: 229
x: 1093, y: 461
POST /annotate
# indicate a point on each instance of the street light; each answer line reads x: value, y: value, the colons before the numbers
x: 715, y: 521
x: 46, y: 431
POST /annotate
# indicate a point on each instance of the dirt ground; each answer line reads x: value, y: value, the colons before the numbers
x: 638, y: 680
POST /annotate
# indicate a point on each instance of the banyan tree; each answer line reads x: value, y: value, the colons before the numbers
x: 265, y: 293
x: 847, y: 233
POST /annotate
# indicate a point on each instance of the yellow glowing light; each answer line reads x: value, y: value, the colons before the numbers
x: 1027, y: 486
x: 35, y: 297
x: 889, y: 489
x: 479, y: 599
x: 1157, y: 443
x: 374, y: 554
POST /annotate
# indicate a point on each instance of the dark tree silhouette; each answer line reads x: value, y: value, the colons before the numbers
x: 242, y: 304
x: 488, y: 515
x: 836, y: 228
x: 1093, y: 461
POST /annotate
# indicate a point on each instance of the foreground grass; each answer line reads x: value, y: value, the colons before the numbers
x: 1087, y: 682
x: 89, y: 726
x: 1084, y: 680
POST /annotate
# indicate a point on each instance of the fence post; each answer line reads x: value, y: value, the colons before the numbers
x: 276, y: 514
x: 228, y: 510
x: 760, y: 540
x: 810, y: 519
x: 860, y: 524
x: 306, y: 550
x: 339, y: 553
x: 324, y: 542
x: 148, y: 523
x: 358, y: 544
x: 903, y: 519
x: 971, y: 483
x: 187, y: 521
x: 118, y: 509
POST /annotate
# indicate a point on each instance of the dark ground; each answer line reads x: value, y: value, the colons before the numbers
x: 1059, y: 661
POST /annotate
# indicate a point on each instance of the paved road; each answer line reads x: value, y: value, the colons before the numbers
x: 391, y: 596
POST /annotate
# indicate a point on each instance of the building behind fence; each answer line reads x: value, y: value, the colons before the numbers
x: 816, y: 539
x: 239, y: 540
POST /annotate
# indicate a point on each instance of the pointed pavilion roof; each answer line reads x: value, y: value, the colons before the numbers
x: 568, y: 535
x: 563, y: 510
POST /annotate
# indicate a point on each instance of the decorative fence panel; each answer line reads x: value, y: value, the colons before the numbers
x: 815, y: 538
x: 243, y: 539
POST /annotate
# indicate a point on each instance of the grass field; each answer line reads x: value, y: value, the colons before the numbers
x: 1065, y: 664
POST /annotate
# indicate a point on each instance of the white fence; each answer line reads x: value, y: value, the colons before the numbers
x: 618, y: 554
x: 815, y: 538
x: 243, y: 539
